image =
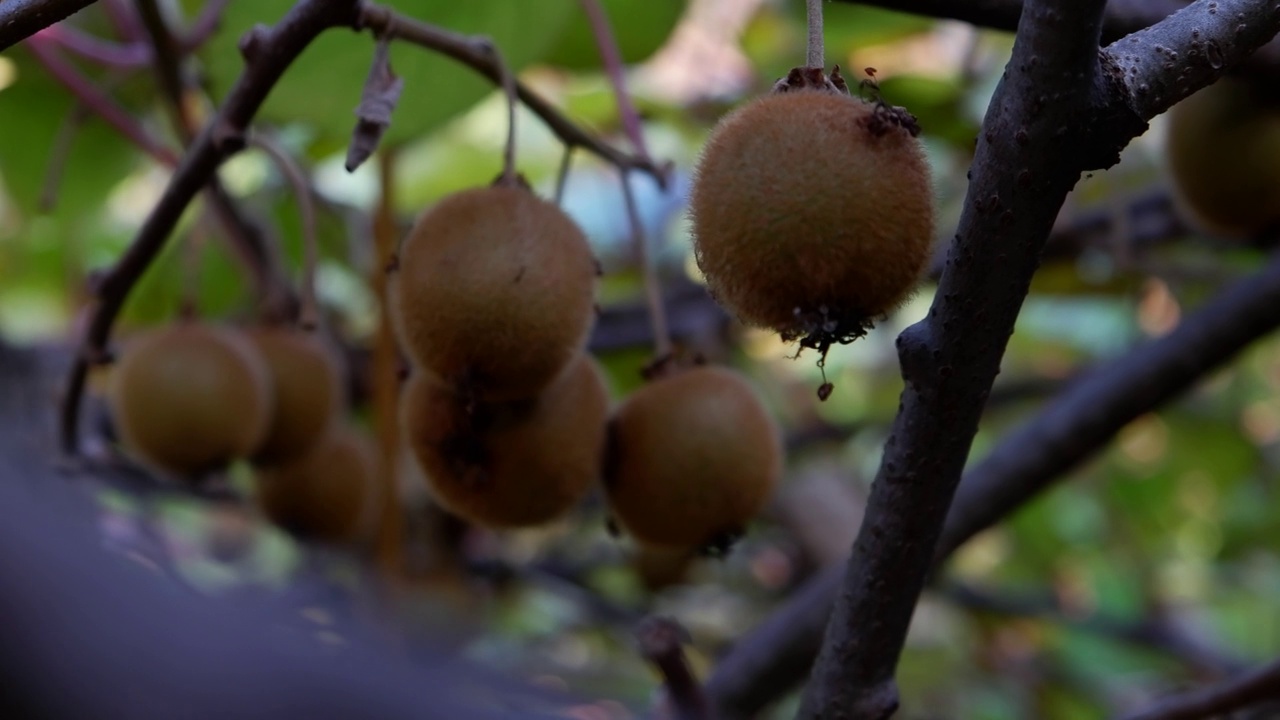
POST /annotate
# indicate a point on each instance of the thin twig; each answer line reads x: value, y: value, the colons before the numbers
x: 205, y: 24
x: 611, y: 58
x: 649, y: 269
x: 509, y: 172
x: 1252, y: 688
x: 661, y: 643
x: 309, y: 312
x: 96, y: 49
x: 815, y: 55
x: 378, y: 18
x: 59, y: 155
x: 91, y: 96
x: 562, y: 175
x: 20, y: 19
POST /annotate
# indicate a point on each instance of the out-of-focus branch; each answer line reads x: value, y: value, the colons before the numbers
x: 1252, y: 688
x: 661, y: 643
x: 268, y: 52
x: 1079, y: 423
x: 20, y: 19
x: 383, y: 20
x: 1095, y: 407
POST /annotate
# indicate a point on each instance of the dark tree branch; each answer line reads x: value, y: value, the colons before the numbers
x: 1033, y: 146
x: 662, y: 643
x: 20, y: 19
x: 1079, y: 423
x: 1090, y: 412
x: 1252, y: 688
x: 1121, y: 17
x: 268, y: 52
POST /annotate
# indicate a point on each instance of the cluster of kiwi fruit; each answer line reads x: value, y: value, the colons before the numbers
x: 190, y: 398
x: 509, y: 417
x: 1223, y: 146
x: 812, y: 210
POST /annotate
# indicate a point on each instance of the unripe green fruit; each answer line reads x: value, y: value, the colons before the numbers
x: 510, y: 465
x: 1224, y: 156
x: 326, y: 494
x: 190, y: 398
x: 494, y: 292
x: 693, y: 458
x: 307, y: 386
x: 812, y: 213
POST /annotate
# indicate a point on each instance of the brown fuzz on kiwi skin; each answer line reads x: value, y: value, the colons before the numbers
x: 494, y: 292
x: 190, y: 398
x: 327, y: 494
x: 1223, y: 145
x: 510, y: 465
x: 306, y: 379
x: 813, y: 211
x: 694, y: 456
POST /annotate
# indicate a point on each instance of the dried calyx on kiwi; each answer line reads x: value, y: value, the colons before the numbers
x: 812, y: 210
x: 693, y: 458
x: 514, y: 464
x: 494, y: 292
x: 190, y: 398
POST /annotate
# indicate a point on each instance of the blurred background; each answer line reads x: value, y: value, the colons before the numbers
x: 1043, y: 616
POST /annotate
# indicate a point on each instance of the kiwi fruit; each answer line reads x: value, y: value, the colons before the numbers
x: 494, y: 292
x: 308, y: 390
x: 693, y: 457
x: 190, y: 398
x: 509, y: 465
x: 659, y: 567
x: 1223, y: 145
x: 327, y: 494
x: 812, y: 210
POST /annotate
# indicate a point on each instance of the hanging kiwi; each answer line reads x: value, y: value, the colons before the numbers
x: 328, y: 493
x: 812, y: 210
x: 307, y: 387
x: 1223, y: 146
x: 694, y: 456
x: 190, y: 398
x: 513, y: 464
x: 494, y: 292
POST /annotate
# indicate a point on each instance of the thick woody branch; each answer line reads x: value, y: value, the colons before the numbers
x: 1031, y: 151
x: 1079, y: 423
x: 1253, y: 688
x: 20, y: 19
x: 268, y: 52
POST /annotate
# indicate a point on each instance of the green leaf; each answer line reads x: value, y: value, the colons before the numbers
x: 323, y: 85
x: 639, y: 26
x: 33, y: 110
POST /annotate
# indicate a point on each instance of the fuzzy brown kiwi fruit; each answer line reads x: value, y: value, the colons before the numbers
x: 510, y: 465
x: 308, y: 390
x: 1223, y: 145
x: 328, y: 493
x: 693, y: 458
x: 190, y: 398
x: 812, y: 210
x: 494, y: 292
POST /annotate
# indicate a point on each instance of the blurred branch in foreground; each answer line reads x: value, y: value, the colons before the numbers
x: 1252, y: 688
